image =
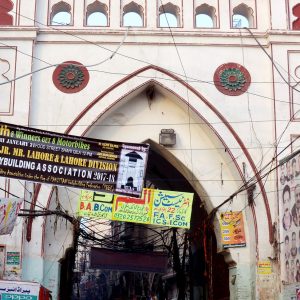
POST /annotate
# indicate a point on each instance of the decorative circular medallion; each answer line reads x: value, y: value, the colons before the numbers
x: 232, y: 79
x: 70, y: 77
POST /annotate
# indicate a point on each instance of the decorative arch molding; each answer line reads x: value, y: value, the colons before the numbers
x: 245, y: 11
x: 208, y: 10
x: 197, y: 103
x: 94, y: 8
x: 170, y: 8
x: 61, y: 7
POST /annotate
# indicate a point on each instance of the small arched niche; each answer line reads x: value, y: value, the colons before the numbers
x: 242, y: 16
x: 169, y: 15
x: 296, y: 13
x: 97, y: 14
x: 133, y: 15
x: 61, y: 14
x: 205, y: 16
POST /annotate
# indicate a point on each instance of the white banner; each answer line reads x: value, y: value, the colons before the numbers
x: 9, y: 209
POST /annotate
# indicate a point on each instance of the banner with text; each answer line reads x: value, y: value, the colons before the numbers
x: 137, y: 210
x: 232, y: 229
x: 172, y: 209
x: 48, y: 157
x: 156, y: 207
x: 9, y: 209
x: 95, y: 205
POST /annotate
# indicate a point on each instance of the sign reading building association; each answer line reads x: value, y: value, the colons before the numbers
x: 48, y: 157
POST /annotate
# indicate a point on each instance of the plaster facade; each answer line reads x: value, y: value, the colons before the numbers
x: 240, y: 133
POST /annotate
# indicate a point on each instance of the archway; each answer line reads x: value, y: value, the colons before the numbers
x: 136, y: 115
x: 196, y: 270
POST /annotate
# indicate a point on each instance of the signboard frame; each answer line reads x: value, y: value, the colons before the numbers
x: 67, y: 160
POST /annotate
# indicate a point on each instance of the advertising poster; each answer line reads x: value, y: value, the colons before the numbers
x: 13, y: 258
x: 232, y: 229
x: 9, y: 209
x: 13, y: 265
x: 291, y: 291
x: 155, y: 207
x: 289, y: 217
x: 172, y: 209
x: 264, y: 267
x: 48, y: 157
x: 95, y: 205
x: 137, y: 210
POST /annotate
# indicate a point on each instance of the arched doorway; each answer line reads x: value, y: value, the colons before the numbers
x: 136, y: 112
x: 195, y: 270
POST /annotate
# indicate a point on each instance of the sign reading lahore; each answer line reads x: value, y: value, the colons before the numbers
x: 48, y: 157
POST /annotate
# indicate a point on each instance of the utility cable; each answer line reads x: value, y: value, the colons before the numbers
x: 271, y: 59
x: 61, y: 64
x: 250, y: 182
x: 120, y: 54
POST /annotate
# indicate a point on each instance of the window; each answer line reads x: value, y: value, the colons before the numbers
x: 169, y: 16
x: 61, y: 14
x: 133, y: 15
x: 242, y: 17
x: 205, y: 16
x: 96, y: 14
x: 5, y: 7
x: 296, y: 13
x: 239, y: 21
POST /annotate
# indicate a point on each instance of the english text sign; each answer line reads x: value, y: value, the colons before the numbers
x: 48, y: 157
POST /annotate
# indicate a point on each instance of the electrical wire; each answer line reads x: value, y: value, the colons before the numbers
x: 283, y: 79
x: 62, y: 64
x: 250, y: 182
x: 126, y: 56
x: 272, y: 61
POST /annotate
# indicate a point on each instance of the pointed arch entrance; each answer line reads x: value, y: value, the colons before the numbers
x: 195, y: 269
x: 172, y: 84
x: 207, y: 145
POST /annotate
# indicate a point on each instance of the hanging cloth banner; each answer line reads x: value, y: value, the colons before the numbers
x: 9, y: 209
x: 155, y: 207
x: 48, y: 157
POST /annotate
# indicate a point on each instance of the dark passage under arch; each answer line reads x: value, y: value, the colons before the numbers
x: 195, y: 270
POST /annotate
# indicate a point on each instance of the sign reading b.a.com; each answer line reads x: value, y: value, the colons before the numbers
x: 17, y: 297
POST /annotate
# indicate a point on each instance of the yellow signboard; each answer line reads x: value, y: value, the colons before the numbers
x: 95, y: 205
x: 156, y: 207
x: 172, y: 209
x: 264, y: 267
x: 137, y: 210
